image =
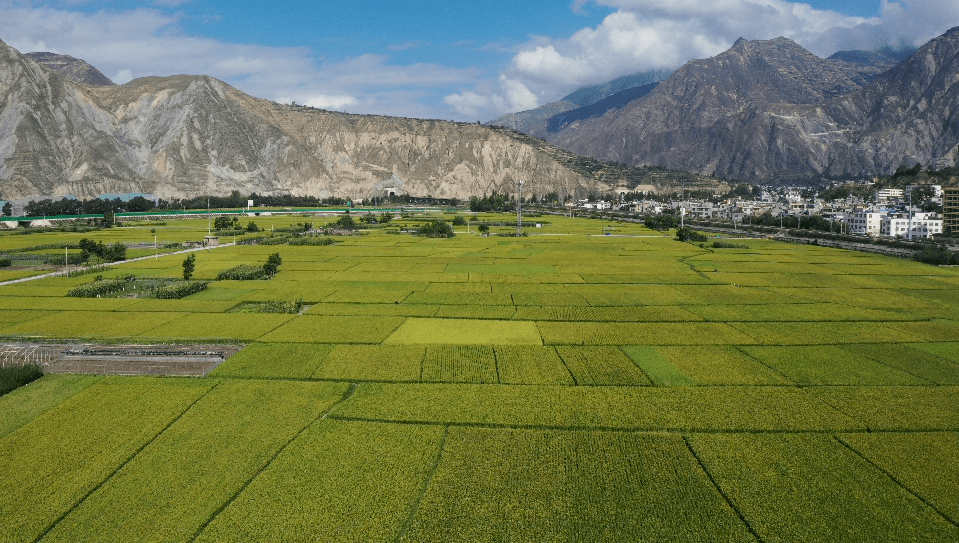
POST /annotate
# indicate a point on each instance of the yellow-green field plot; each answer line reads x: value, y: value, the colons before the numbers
x: 565, y: 386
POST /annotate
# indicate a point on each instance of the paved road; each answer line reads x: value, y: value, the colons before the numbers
x: 61, y: 273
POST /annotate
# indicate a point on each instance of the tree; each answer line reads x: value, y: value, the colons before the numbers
x: 459, y: 221
x: 346, y: 223
x: 483, y: 228
x: 115, y: 252
x: 386, y: 218
x: 224, y: 222
x: 252, y: 227
x: 436, y: 229
x: 189, y: 264
x: 272, y: 265
x: 7, y: 209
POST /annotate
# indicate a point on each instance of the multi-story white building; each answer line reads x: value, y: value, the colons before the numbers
x: 865, y: 222
x: 924, y: 225
x: 884, y: 195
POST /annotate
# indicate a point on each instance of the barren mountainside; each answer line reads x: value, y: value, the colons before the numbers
x: 193, y: 135
x: 767, y: 110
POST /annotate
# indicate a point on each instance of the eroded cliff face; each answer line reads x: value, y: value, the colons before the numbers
x: 192, y: 135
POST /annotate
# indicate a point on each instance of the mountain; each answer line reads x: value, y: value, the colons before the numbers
x: 767, y: 110
x: 186, y: 136
x: 537, y: 122
x: 74, y: 69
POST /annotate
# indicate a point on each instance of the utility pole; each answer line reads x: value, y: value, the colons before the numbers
x: 910, y: 214
x: 209, y: 219
x: 519, y: 207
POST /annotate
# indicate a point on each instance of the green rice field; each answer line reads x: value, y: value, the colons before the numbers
x: 565, y: 386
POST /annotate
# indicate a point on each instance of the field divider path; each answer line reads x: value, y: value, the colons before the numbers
x: 425, y: 488
x: 868, y: 460
x: 719, y: 489
x: 122, y: 465
x: 346, y: 396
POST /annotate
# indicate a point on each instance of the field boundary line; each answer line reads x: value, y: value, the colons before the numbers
x: 894, y: 479
x: 565, y: 365
x: 425, y: 488
x: 123, y: 464
x: 719, y: 489
x: 322, y: 416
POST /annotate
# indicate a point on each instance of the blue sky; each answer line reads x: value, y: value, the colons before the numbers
x: 472, y: 60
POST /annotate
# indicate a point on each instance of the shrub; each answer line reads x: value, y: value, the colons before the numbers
x: 459, y: 221
x: 189, y: 264
x: 5, y: 262
x: 243, y: 272
x: 97, y: 288
x: 14, y: 377
x: 311, y: 240
x: 180, y: 289
x: 688, y: 234
x: 729, y: 245
x: 939, y: 256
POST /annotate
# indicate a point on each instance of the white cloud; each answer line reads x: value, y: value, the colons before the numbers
x: 149, y: 42
x: 650, y: 34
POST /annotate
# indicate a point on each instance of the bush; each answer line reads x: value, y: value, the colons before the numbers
x: 180, y: 289
x: 311, y: 240
x: 459, y: 221
x: 289, y: 308
x: 189, y: 264
x: 5, y: 262
x: 14, y: 377
x: 97, y: 288
x: 688, y: 234
x: 346, y: 223
x: 243, y: 272
x: 728, y: 245
x: 436, y: 229
x: 938, y: 256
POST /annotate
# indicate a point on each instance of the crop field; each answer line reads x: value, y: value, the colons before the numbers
x: 565, y: 386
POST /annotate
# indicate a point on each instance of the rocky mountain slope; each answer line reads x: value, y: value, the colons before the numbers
x: 580, y: 104
x: 768, y: 110
x: 74, y: 69
x: 193, y: 135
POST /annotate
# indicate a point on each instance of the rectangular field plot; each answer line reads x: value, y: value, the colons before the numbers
x: 335, y: 329
x: 812, y: 488
x: 54, y: 303
x: 460, y: 364
x: 338, y: 481
x: 399, y: 363
x: 47, y: 466
x: 545, y: 299
x: 601, y: 366
x: 896, y: 408
x: 756, y: 279
x: 925, y: 463
x: 186, y: 306
x: 289, y: 290
x: 628, y: 408
x: 659, y: 370
x: 607, y: 314
x: 830, y: 365
x: 730, y: 294
x: 274, y: 361
x: 220, y: 294
x: 935, y: 330
x: 466, y: 332
x: 655, y: 333
x: 913, y: 361
x: 91, y: 324
x: 531, y: 365
x: 367, y: 296
x: 239, y: 326
x: 821, y: 333
x: 947, y: 351
x: 29, y: 402
x: 9, y: 318
x: 529, y: 485
x: 718, y: 365
x: 172, y: 487
x: 383, y: 310
x: 857, y: 297
x: 497, y: 312
x: 460, y: 298
x: 800, y: 312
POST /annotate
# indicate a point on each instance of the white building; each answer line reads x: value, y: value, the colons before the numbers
x: 924, y: 225
x: 884, y: 195
x: 866, y: 223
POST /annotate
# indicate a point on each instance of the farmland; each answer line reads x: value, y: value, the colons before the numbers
x: 565, y: 386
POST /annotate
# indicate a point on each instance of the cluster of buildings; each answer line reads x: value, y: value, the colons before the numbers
x: 888, y: 213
